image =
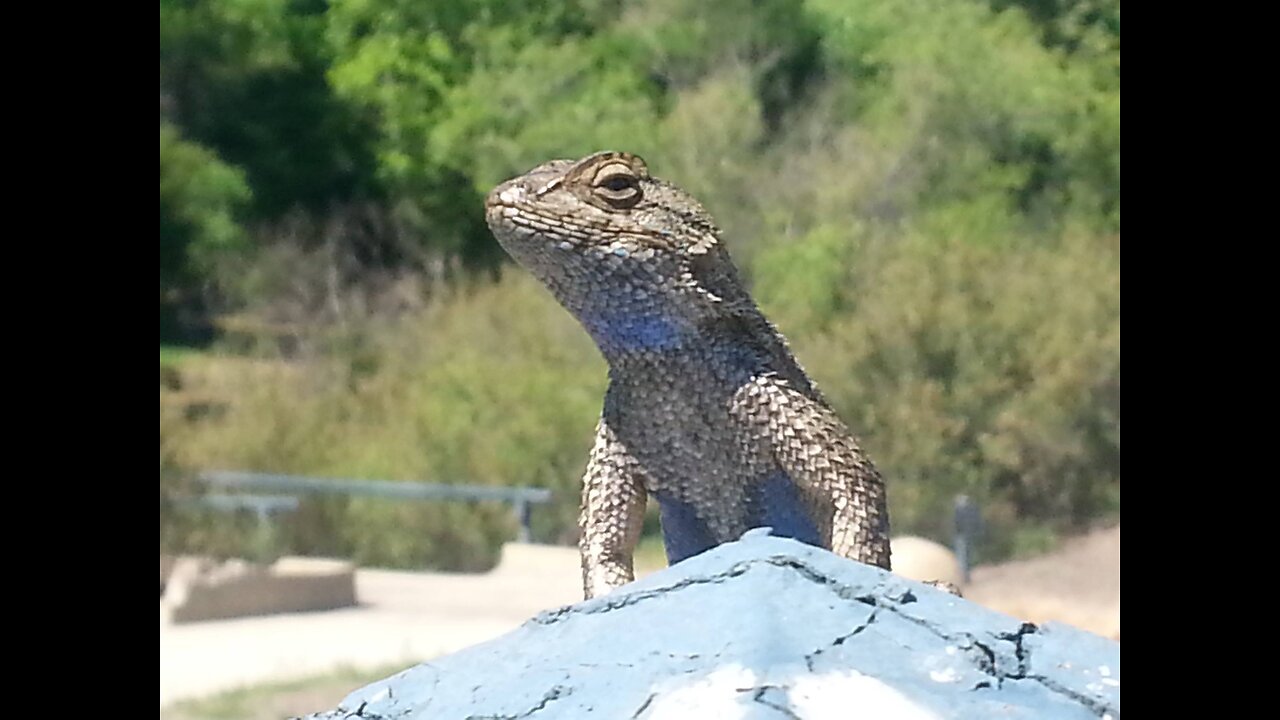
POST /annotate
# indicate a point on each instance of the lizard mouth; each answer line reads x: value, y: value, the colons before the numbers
x: 521, y: 225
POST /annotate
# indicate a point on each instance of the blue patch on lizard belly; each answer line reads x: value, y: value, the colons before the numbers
x: 684, y: 534
x: 782, y: 508
x: 776, y: 503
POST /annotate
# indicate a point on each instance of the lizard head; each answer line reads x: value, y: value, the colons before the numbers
x: 636, y: 259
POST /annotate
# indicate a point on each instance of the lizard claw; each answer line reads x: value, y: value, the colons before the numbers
x: 945, y: 586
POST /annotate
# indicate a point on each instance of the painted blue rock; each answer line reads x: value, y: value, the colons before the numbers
x: 765, y: 627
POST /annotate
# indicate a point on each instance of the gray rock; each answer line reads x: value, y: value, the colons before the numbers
x: 764, y: 627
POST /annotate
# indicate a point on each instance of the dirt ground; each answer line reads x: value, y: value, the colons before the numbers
x: 1079, y: 584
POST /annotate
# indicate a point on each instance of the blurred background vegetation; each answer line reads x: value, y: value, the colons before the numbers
x: 925, y: 196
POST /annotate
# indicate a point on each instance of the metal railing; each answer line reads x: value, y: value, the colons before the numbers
x: 521, y: 498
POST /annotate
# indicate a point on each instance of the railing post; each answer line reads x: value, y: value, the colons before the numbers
x: 265, y: 536
x: 523, y: 513
x: 968, y: 522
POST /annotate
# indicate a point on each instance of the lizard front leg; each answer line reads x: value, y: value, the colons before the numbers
x: 841, y: 486
x: 613, y: 502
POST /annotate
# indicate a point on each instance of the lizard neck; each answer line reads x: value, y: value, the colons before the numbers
x: 624, y: 326
x: 630, y: 309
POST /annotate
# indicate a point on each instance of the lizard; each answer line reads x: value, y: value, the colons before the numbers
x: 707, y: 410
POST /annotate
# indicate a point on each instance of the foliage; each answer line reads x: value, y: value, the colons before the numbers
x: 199, y: 199
x: 247, y: 78
x: 978, y: 370
x: 411, y: 63
x: 924, y: 196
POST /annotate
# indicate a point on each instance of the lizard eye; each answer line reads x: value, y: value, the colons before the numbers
x: 618, y: 183
x: 618, y: 186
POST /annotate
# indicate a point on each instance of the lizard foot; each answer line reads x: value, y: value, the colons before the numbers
x: 945, y: 586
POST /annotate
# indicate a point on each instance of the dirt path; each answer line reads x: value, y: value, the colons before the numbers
x: 407, y: 617
x: 1078, y: 584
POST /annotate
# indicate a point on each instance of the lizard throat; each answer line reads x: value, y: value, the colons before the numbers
x: 625, y: 332
x: 625, y: 310
x: 622, y: 325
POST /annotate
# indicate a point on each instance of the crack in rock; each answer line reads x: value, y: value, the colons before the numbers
x: 555, y: 693
x: 984, y: 658
x: 609, y: 603
x: 1016, y: 638
x: 810, y: 658
x: 758, y: 696
x: 644, y: 706
x: 359, y: 713
x: 1094, y: 704
x: 1098, y: 706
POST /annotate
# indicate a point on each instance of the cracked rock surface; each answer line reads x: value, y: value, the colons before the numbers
x: 764, y: 627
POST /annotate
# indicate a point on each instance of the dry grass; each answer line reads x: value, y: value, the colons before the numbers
x: 275, y: 701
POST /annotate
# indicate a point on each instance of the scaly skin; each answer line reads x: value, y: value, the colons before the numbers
x: 707, y: 410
